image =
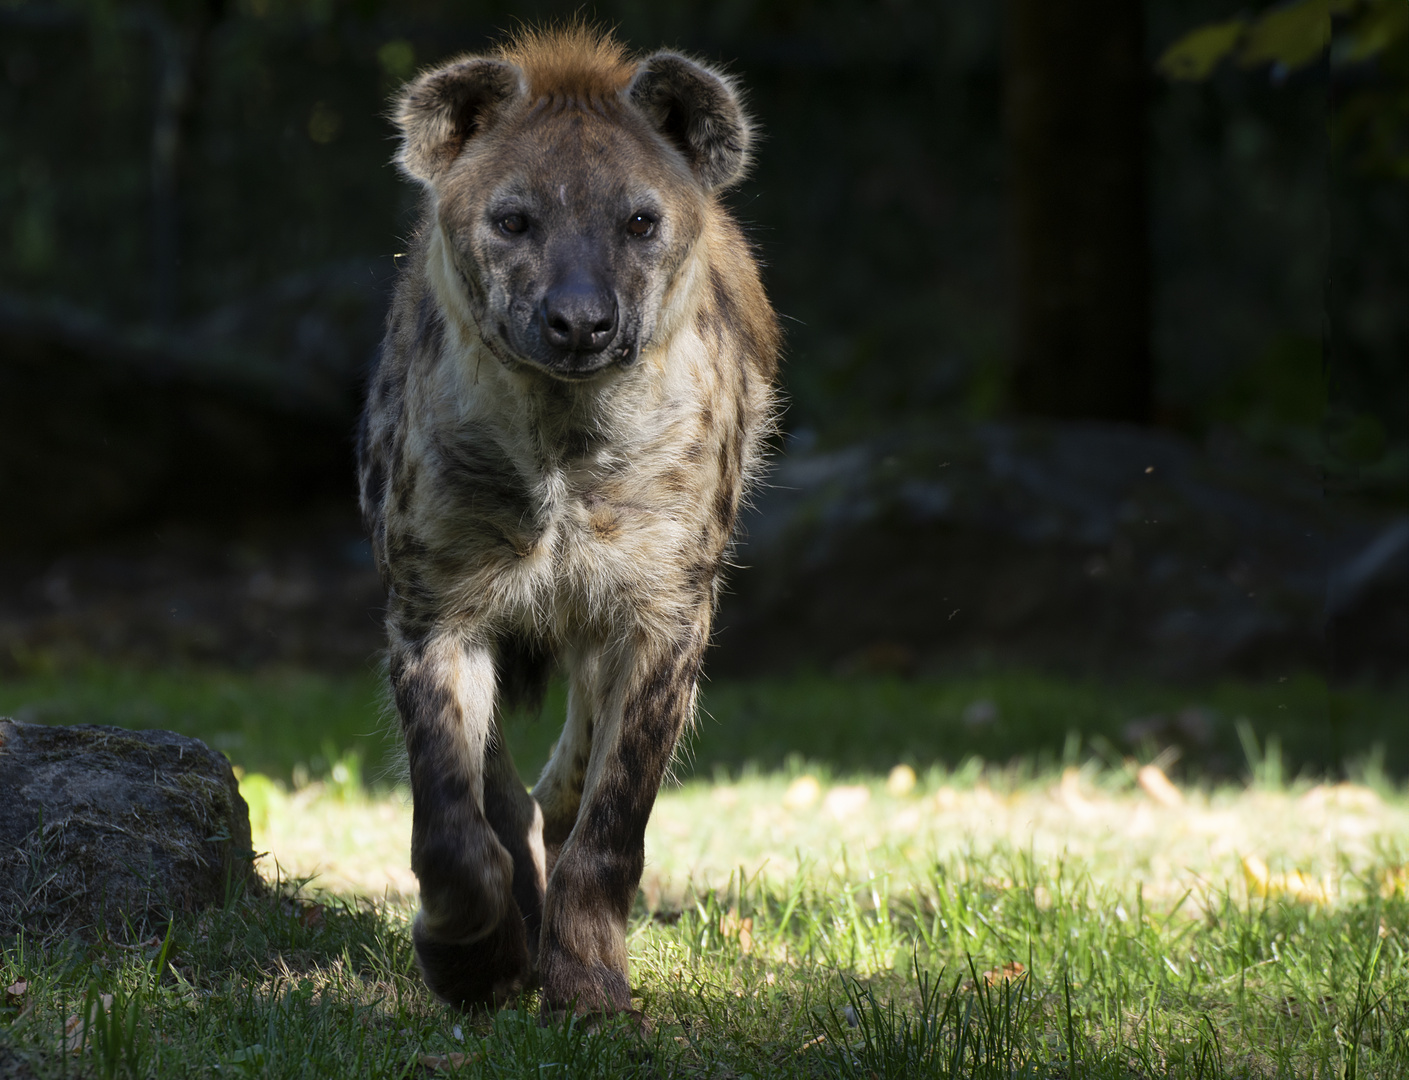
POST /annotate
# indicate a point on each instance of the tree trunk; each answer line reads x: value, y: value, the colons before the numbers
x: 1076, y: 84
x: 182, y: 51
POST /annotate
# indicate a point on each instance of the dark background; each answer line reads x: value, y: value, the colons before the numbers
x: 1090, y: 370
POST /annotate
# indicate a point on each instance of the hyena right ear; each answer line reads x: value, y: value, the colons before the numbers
x: 698, y: 111
x: 440, y: 110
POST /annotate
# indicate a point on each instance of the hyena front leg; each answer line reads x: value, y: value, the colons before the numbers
x: 559, y: 789
x: 469, y: 935
x: 582, y: 962
x: 515, y: 818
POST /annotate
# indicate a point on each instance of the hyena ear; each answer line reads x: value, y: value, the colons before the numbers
x: 698, y: 112
x: 439, y: 111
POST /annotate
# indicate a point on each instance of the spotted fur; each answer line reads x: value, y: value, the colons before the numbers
x: 534, y: 503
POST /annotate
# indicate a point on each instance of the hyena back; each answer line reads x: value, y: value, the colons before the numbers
x: 572, y: 395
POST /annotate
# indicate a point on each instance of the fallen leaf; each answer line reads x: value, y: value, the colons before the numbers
x: 820, y: 1040
x: 901, y: 781
x: 150, y: 943
x: 802, y: 793
x: 15, y: 991
x: 907, y: 821
x: 1009, y: 972
x: 1255, y: 870
x: 731, y: 926
x: 1262, y: 882
x: 1158, y: 786
x: 1395, y: 882
x: 76, y: 1026
x: 1069, y: 793
x: 1341, y: 797
x: 844, y: 801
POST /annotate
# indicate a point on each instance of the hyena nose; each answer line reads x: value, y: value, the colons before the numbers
x: 578, y: 316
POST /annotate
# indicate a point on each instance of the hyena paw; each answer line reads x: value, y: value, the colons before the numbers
x: 593, y: 989
x: 487, y: 973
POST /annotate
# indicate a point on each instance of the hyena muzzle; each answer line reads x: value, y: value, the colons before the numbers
x: 573, y: 393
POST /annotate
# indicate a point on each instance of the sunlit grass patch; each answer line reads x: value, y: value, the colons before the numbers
x: 892, y: 945
x: 1310, y: 842
x: 1006, y: 966
x: 914, y: 895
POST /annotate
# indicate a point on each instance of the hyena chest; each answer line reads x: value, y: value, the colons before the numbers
x: 543, y: 536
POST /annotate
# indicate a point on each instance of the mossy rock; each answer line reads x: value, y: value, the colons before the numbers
x: 109, y: 830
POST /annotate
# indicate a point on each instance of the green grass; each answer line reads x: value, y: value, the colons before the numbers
x: 949, y: 931
x: 847, y: 979
x: 293, y: 725
x: 273, y: 722
x: 869, y: 724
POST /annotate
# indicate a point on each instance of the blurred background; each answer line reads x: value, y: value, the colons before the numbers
x: 1098, y: 429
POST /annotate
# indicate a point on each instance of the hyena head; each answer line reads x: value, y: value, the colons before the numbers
x: 569, y: 183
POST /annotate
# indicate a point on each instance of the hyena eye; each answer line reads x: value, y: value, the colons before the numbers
x: 513, y: 224
x: 641, y: 226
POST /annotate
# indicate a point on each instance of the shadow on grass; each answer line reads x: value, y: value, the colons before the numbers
x: 271, y: 985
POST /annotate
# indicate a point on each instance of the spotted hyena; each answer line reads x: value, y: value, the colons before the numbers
x: 572, y: 395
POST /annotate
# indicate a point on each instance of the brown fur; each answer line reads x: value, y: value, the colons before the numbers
x: 533, y: 502
x: 574, y: 63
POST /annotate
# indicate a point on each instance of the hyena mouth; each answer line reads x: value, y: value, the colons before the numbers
x: 561, y: 364
x: 586, y: 366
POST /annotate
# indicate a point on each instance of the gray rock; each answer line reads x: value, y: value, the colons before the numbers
x: 1095, y: 547
x: 101, y: 827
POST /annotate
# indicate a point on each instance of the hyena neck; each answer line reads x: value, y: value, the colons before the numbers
x: 449, y: 287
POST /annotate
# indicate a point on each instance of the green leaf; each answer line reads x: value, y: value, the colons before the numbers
x: 1198, y: 52
x: 1293, y: 34
x: 1382, y: 25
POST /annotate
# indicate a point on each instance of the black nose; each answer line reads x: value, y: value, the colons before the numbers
x: 578, y: 315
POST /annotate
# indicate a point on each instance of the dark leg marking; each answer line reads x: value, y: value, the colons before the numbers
x: 582, y: 952
x: 515, y: 818
x: 470, y: 938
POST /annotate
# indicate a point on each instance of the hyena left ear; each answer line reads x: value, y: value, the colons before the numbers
x: 698, y: 112
x: 441, y: 110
